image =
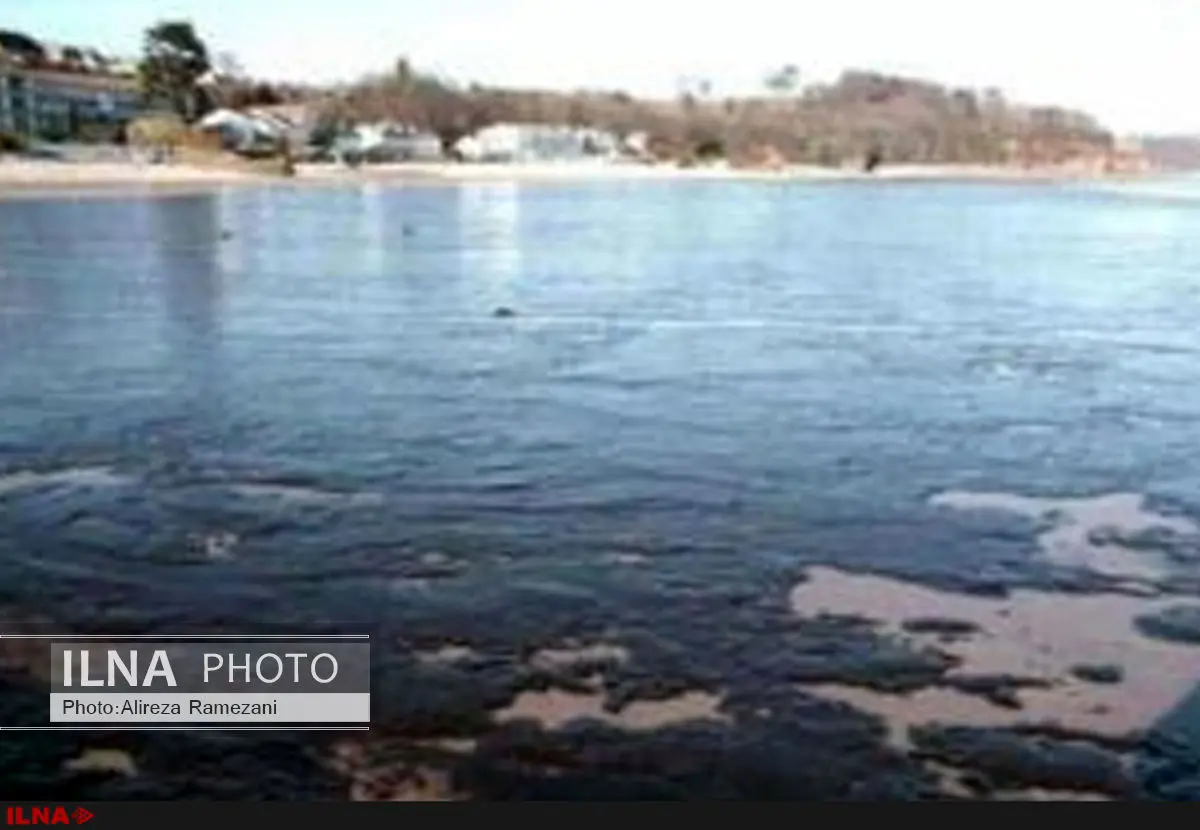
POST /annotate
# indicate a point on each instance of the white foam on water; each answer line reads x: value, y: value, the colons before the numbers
x: 303, y: 495
x: 447, y: 655
x: 80, y: 477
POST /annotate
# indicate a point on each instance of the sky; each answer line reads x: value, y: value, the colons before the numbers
x: 1132, y: 63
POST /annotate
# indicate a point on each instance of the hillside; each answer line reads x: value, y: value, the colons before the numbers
x: 904, y: 120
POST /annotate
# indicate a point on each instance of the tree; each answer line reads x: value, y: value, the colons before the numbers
x: 265, y: 95
x: 784, y: 81
x: 965, y: 103
x: 577, y: 114
x: 174, y: 58
x: 405, y: 76
x: 238, y: 97
x: 452, y: 116
x: 325, y: 131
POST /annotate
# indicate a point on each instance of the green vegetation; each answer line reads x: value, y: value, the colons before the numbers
x: 174, y: 58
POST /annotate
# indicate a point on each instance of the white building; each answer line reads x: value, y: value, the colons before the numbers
x: 537, y: 143
x: 387, y: 142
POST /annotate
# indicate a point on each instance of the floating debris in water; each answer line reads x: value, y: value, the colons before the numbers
x: 1098, y: 673
x: 1173, y: 624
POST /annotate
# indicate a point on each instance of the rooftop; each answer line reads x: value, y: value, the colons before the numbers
x: 78, y: 64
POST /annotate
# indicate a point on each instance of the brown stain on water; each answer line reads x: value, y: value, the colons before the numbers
x: 1071, y: 522
x: 1041, y: 636
x: 1030, y: 634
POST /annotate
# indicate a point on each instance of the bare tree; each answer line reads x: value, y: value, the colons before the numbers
x: 905, y: 119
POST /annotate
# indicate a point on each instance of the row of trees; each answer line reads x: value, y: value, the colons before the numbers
x: 862, y: 114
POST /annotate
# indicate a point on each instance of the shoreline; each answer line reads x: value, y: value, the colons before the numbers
x: 34, y: 179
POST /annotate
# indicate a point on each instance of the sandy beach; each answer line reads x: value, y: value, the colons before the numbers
x: 31, y: 178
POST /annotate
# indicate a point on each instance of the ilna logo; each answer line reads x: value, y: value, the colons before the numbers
x: 47, y: 815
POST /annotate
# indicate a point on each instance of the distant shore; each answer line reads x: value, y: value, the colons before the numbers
x: 23, y: 178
